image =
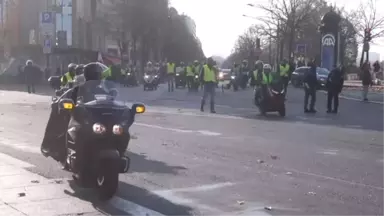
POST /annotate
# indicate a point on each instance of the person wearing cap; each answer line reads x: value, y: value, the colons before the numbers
x: 208, y: 76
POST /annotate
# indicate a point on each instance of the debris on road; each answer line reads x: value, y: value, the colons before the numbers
x: 260, y: 161
x: 274, y: 157
x: 240, y: 202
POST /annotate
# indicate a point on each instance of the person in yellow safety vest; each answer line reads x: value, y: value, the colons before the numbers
x: 208, y: 76
x: 107, y: 73
x: 70, y: 75
x: 256, y: 76
x: 265, y: 78
x: 190, y: 75
x: 284, y: 74
x: 171, y: 70
x: 196, y: 67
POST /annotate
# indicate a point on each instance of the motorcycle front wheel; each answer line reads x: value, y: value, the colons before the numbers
x: 107, y: 181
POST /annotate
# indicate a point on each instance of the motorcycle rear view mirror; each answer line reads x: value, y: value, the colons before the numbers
x: 66, y: 104
x: 138, y: 108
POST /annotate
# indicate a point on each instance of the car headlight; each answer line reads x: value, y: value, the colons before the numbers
x: 129, y: 74
x: 117, y: 129
x: 98, y: 128
x: 221, y: 75
x: 156, y: 76
x: 233, y: 77
x: 146, y: 76
x: 197, y: 76
x: 295, y: 73
x: 177, y: 74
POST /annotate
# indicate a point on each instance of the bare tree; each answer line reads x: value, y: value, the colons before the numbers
x: 285, y: 17
x: 246, y: 44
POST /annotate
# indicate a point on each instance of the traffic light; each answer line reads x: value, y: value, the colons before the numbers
x: 367, y: 34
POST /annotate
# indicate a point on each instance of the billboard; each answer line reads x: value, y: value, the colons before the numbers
x: 328, y: 43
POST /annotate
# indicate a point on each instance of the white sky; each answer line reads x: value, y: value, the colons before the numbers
x: 220, y: 22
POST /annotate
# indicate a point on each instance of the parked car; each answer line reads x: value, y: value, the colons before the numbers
x: 297, y: 76
x: 322, y: 75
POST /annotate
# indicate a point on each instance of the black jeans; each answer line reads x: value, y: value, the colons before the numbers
x: 31, y: 88
x: 333, y: 95
x: 209, y: 90
x: 311, y: 92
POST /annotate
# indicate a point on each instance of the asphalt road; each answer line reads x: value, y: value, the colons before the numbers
x: 234, y: 162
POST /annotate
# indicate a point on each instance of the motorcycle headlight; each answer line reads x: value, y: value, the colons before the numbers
x: 146, y: 76
x: 129, y: 74
x: 196, y: 76
x: 98, y: 128
x: 117, y: 129
x: 156, y: 76
x: 177, y: 74
x: 233, y: 77
x: 295, y: 73
x: 221, y: 75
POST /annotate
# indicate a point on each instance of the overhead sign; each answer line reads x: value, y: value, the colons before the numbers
x: 47, y: 45
x: 47, y: 25
x: 328, y: 40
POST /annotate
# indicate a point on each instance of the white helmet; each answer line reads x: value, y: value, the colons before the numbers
x: 29, y: 62
x: 149, y: 63
x: 267, y: 66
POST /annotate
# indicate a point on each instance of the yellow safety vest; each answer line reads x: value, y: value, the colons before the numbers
x: 189, y: 71
x: 68, y: 76
x: 267, y: 79
x: 209, y: 74
x: 107, y: 73
x: 284, y: 70
x: 170, y: 68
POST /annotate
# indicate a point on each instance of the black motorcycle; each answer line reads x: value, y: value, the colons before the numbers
x: 195, y: 83
x: 130, y: 79
x: 272, y: 101
x: 234, y: 82
x: 98, y: 136
x: 150, y: 81
x: 180, y: 80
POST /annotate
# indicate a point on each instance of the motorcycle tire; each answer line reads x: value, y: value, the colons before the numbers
x: 107, y: 181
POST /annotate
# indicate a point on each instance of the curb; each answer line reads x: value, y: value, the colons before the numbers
x: 355, y: 99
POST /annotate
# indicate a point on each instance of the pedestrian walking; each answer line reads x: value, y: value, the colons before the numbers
x: 366, y: 80
x: 334, y: 85
x: 31, y: 73
x: 310, y: 85
x: 208, y: 76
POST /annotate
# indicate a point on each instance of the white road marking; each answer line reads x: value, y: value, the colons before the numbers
x: 15, y: 144
x: 329, y: 152
x: 191, y: 113
x: 14, y: 161
x: 132, y: 208
x: 201, y: 132
x: 173, y: 197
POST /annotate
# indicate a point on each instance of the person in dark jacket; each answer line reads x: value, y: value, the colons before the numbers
x: 30, y: 75
x: 366, y: 80
x: 310, y: 84
x: 335, y: 82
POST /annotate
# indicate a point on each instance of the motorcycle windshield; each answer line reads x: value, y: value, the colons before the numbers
x: 99, y: 93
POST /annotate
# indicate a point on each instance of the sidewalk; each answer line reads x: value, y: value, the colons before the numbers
x: 25, y: 193
x: 357, y: 85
